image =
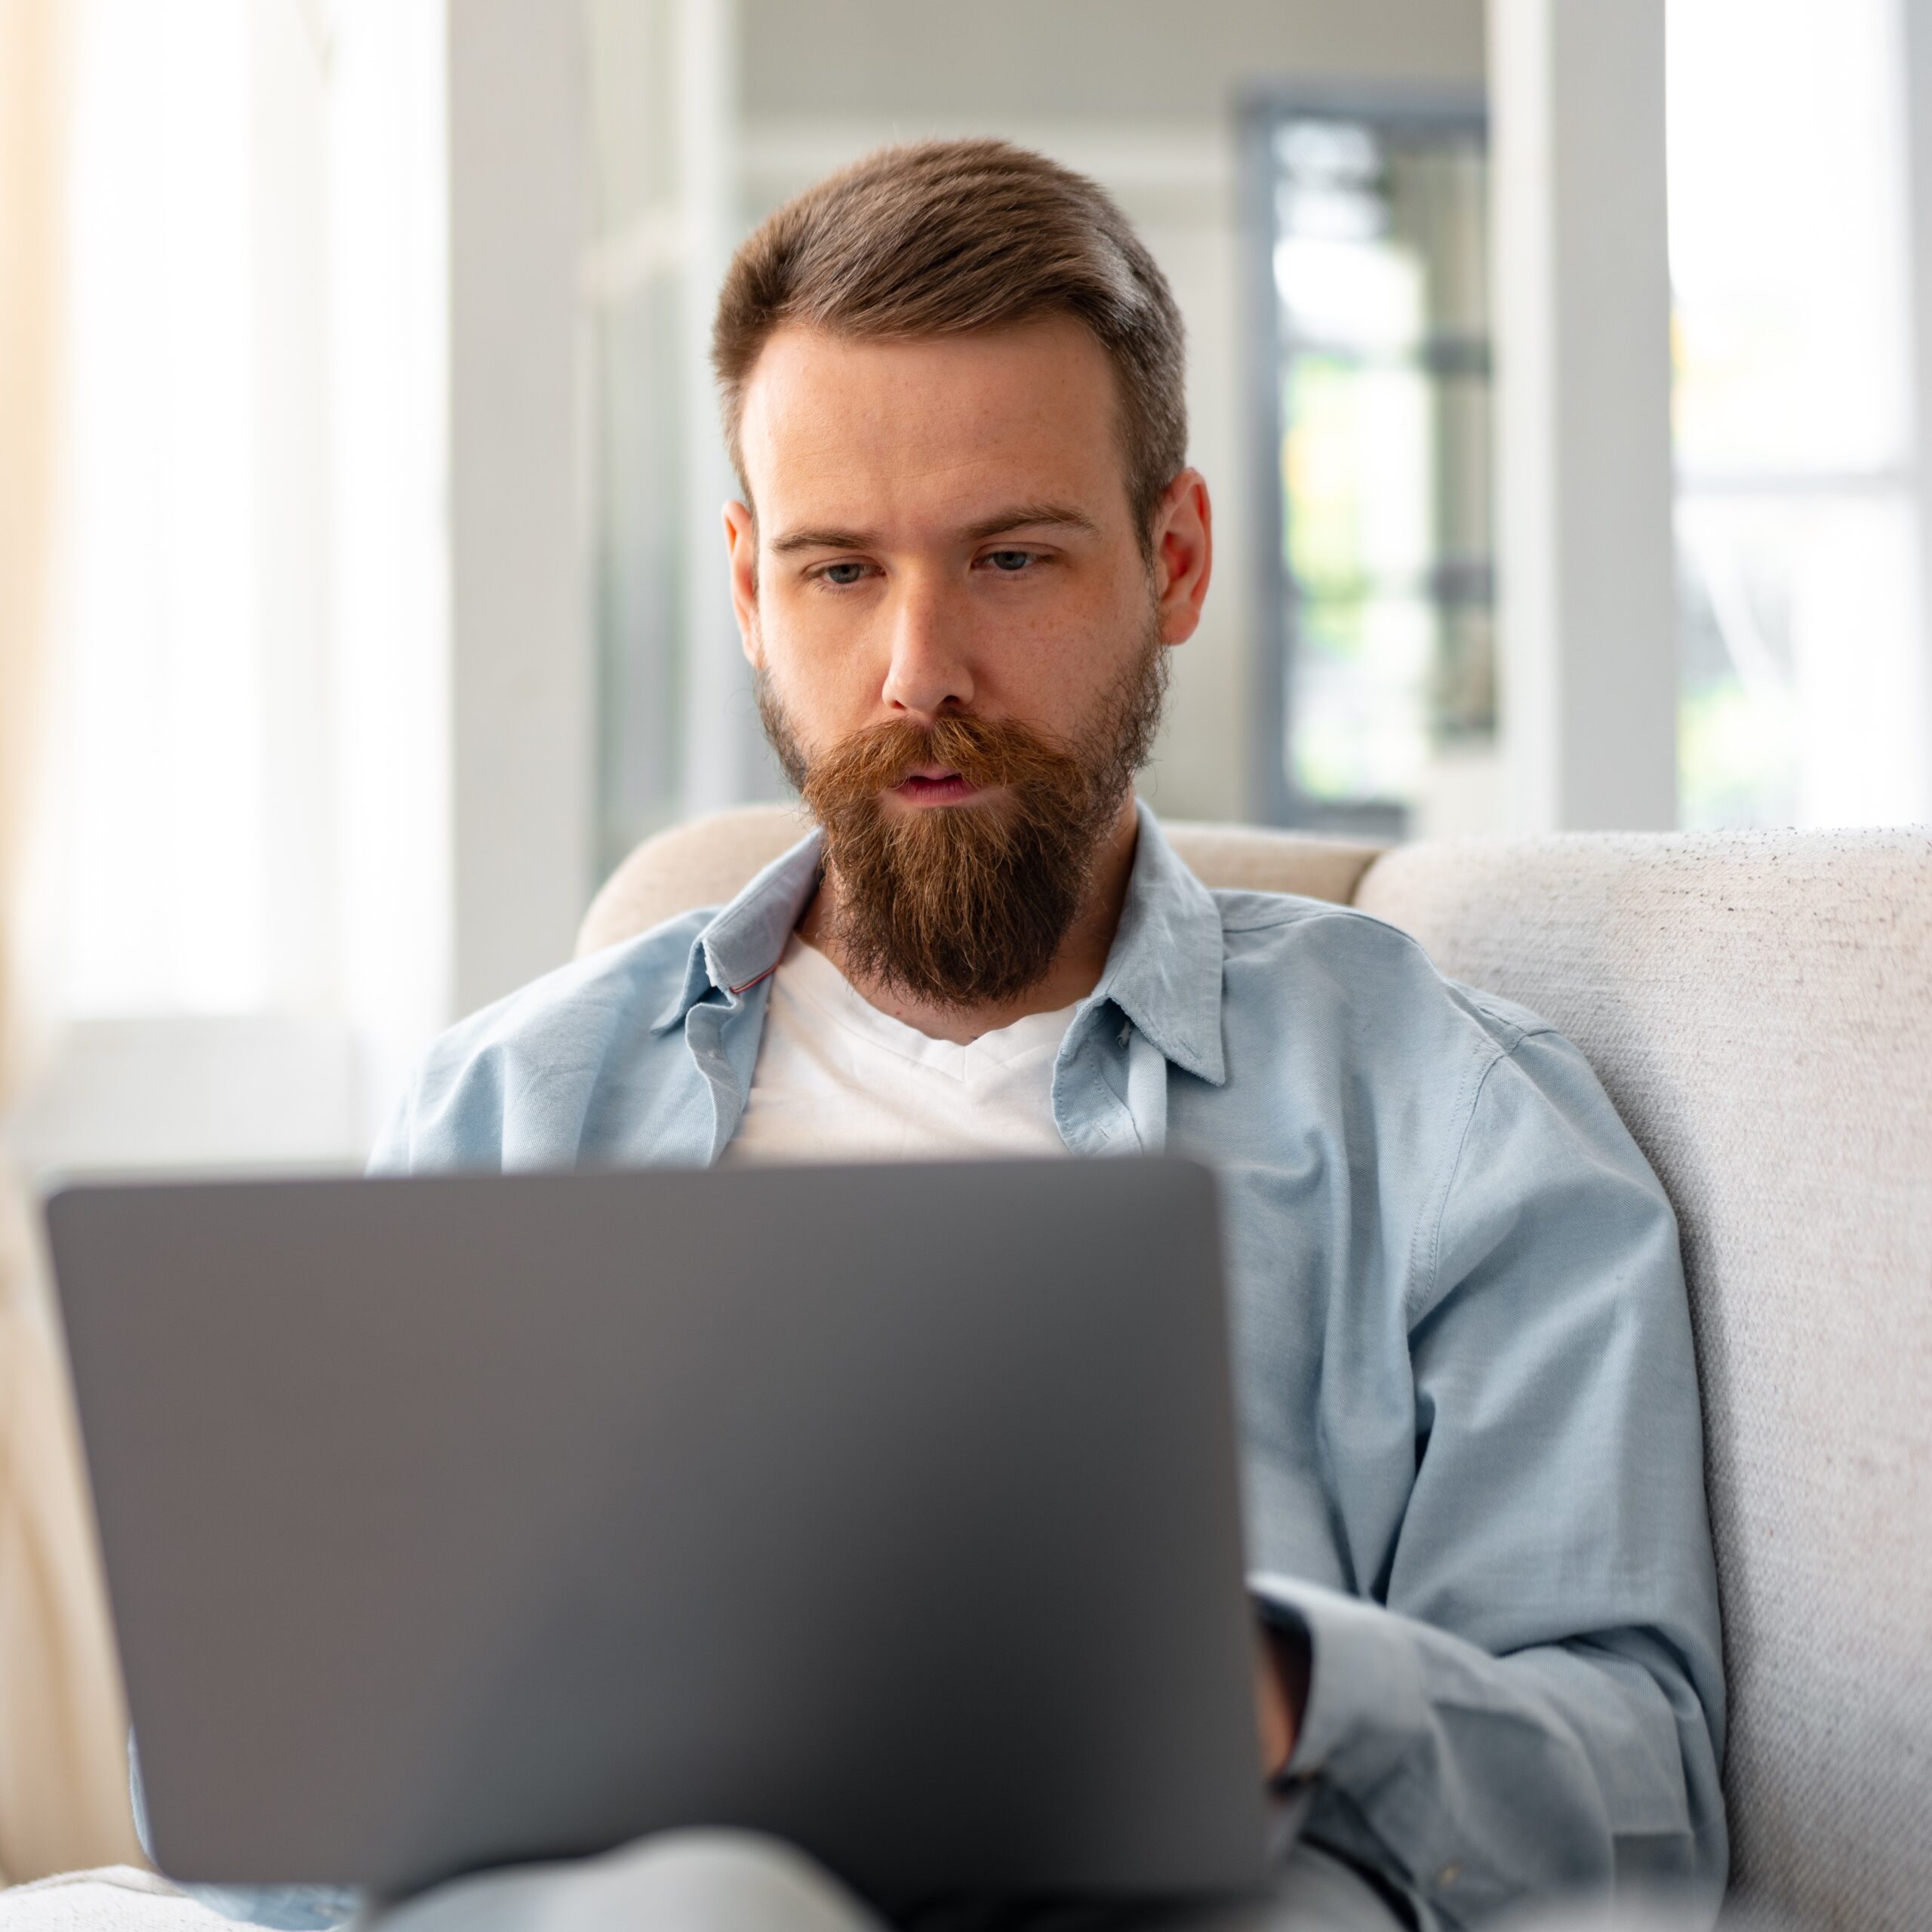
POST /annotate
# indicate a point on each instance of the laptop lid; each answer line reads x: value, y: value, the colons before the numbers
x: 450, y: 1521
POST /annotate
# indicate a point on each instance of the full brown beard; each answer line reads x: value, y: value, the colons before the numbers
x: 960, y: 905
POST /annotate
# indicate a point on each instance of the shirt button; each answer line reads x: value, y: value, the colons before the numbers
x: 1448, y: 1877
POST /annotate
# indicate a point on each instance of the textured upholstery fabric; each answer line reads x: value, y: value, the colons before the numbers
x: 706, y: 862
x: 116, y: 1898
x: 1239, y: 856
x: 701, y: 863
x: 1759, y: 1008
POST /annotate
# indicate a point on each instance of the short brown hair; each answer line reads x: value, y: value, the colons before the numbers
x: 941, y: 237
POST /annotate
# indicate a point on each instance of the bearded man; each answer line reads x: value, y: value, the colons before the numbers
x: 953, y: 381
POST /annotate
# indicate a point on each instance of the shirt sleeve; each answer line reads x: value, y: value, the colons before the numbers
x: 393, y: 1150
x: 1530, y: 1700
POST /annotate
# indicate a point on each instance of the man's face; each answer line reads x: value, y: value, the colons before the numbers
x: 955, y: 625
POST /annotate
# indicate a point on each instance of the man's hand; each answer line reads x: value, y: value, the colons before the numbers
x: 1282, y: 1671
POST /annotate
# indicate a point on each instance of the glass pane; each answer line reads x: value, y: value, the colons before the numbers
x: 1360, y: 696
x: 1463, y: 505
x: 1439, y: 204
x: 1804, y: 656
x: 634, y: 325
x: 1359, y: 470
x: 1787, y: 229
x: 1463, y: 701
x: 1381, y: 232
x: 1804, y: 687
x: 1379, y: 268
x: 636, y: 564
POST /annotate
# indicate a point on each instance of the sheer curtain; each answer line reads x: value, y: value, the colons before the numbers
x: 62, y: 1781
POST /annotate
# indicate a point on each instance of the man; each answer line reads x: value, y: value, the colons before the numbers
x: 968, y: 536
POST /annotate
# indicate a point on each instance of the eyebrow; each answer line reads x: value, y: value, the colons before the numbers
x: 1022, y: 516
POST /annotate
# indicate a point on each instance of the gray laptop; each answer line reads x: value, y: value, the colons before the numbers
x: 455, y: 1522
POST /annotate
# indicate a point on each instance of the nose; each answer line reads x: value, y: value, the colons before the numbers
x: 928, y: 668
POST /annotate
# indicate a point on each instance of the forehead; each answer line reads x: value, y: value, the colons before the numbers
x: 853, y: 434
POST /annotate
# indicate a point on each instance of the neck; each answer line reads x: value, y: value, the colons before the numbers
x: 1075, y: 972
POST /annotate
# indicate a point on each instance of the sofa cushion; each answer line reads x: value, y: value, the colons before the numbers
x: 1759, y: 1007
x: 115, y: 1898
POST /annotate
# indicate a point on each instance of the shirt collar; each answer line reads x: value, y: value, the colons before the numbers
x: 743, y: 943
x: 1163, y: 970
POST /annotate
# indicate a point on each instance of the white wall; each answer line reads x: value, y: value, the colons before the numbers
x: 1587, y: 618
x: 521, y: 659
x: 1074, y: 60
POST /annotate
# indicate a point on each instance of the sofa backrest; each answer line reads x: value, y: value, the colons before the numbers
x: 1759, y: 1008
x: 704, y: 861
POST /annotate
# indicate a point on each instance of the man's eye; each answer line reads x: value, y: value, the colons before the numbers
x: 1011, y: 561
x: 843, y: 575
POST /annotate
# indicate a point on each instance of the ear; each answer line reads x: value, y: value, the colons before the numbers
x: 1183, y: 547
x: 741, y: 544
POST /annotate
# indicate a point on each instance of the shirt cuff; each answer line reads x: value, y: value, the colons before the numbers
x: 1365, y: 1703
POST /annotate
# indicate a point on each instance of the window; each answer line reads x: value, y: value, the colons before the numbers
x: 1804, y: 694
x: 1369, y: 239
x: 678, y: 730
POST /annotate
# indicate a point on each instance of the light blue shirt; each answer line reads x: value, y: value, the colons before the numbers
x: 1473, y: 1459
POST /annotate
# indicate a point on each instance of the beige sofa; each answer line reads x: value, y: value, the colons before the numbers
x: 1760, y: 1007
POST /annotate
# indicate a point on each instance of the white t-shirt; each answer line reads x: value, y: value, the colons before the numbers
x: 838, y: 1080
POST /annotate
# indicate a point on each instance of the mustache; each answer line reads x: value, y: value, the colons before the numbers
x: 984, y: 751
